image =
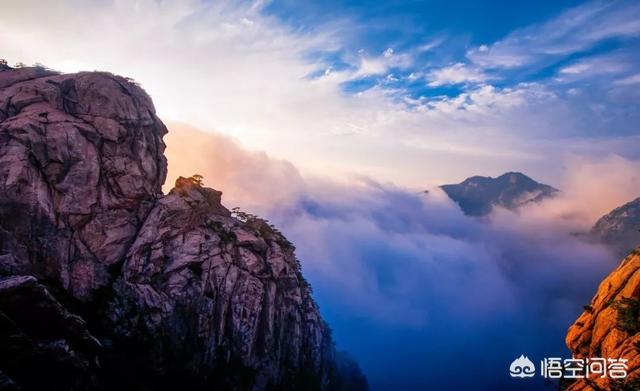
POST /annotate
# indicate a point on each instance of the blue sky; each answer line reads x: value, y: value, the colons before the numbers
x: 433, y: 50
x: 413, y: 93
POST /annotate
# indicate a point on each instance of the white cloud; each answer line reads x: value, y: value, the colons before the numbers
x: 455, y: 74
x: 380, y: 65
x: 578, y: 68
x: 350, y: 234
x: 414, y: 76
x: 229, y: 67
x: 491, y: 101
x: 594, y: 66
x: 430, y: 45
x: 371, y: 66
x: 630, y: 80
x: 391, y: 78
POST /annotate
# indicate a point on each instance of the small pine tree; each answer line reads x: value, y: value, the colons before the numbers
x: 197, y: 179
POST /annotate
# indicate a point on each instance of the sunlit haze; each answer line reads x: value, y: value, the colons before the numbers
x: 415, y: 102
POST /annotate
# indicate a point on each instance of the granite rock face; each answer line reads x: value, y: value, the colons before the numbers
x: 142, y: 290
x: 610, y: 327
x: 81, y: 165
x: 620, y: 228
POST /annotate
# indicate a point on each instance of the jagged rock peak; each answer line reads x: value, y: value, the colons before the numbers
x: 164, y: 291
x: 193, y: 189
x: 609, y: 327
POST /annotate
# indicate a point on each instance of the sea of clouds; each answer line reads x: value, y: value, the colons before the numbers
x: 422, y: 295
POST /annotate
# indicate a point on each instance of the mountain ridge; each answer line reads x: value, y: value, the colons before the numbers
x: 478, y: 195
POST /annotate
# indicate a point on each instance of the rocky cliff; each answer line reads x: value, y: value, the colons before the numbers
x: 610, y: 327
x: 106, y: 283
x: 620, y: 228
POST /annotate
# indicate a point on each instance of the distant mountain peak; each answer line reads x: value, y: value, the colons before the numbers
x: 477, y: 195
x: 515, y: 176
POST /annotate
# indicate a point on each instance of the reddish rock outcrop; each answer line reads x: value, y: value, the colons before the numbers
x: 610, y: 326
x: 81, y: 165
x: 147, y: 291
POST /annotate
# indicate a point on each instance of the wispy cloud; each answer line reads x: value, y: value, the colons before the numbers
x: 233, y: 67
x: 455, y: 74
x: 430, y: 45
x: 608, y: 65
x: 575, y: 30
x: 627, y: 81
x: 379, y: 65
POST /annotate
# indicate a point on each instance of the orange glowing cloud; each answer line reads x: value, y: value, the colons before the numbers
x: 246, y: 178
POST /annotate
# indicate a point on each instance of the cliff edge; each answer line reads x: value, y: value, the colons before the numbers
x: 106, y: 283
x: 610, y: 327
